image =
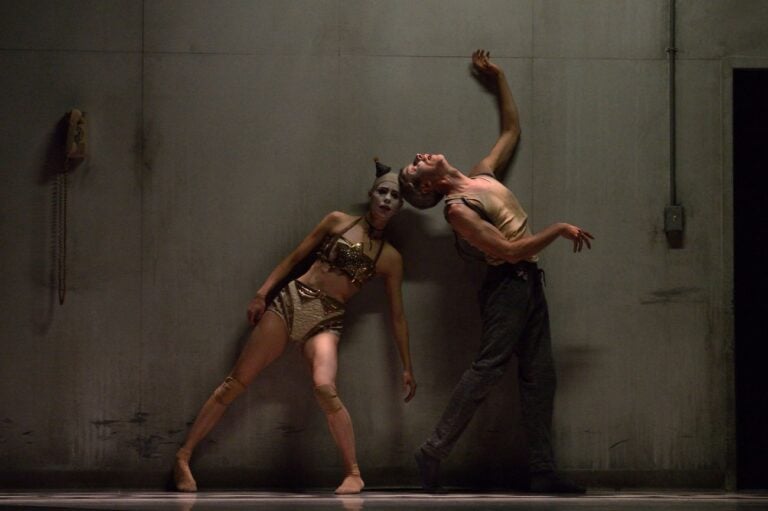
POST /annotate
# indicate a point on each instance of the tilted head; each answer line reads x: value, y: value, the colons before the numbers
x: 417, y: 180
x: 385, y: 198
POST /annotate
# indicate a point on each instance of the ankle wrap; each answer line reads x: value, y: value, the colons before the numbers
x: 183, y: 454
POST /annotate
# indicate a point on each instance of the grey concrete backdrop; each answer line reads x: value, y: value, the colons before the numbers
x: 221, y: 132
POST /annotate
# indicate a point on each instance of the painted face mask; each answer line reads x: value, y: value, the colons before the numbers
x: 385, y: 192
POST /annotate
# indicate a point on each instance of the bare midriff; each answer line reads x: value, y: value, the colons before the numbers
x: 335, y: 284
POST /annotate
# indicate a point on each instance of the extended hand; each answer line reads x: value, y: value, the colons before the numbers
x: 256, y: 308
x: 481, y: 61
x: 409, y: 384
x: 579, y: 236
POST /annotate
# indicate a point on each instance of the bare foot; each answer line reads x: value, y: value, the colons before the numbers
x: 182, y: 475
x: 353, y: 483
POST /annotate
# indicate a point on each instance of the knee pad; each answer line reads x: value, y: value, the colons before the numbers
x: 328, y: 399
x: 228, y: 391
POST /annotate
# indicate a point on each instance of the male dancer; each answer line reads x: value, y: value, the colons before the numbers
x: 486, y: 214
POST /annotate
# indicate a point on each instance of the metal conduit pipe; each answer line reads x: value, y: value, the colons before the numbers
x: 673, y: 213
x: 671, y: 51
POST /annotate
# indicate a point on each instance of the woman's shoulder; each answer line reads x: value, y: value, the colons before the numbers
x: 390, y: 248
x: 336, y: 218
x: 390, y: 258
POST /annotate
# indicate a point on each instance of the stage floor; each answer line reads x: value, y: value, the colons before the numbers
x: 381, y: 500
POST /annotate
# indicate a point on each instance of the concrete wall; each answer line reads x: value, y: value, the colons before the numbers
x: 221, y: 132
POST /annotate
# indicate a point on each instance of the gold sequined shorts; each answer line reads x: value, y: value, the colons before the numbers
x: 307, y: 311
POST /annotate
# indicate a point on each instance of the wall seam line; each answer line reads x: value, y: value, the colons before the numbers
x: 532, y: 209
x: 142, y: 156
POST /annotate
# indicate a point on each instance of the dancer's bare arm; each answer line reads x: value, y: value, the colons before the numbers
x: 488, y: 239
x: 508, y: 115
x: 391, y: 267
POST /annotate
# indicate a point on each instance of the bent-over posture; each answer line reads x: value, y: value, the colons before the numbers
x: 487, y: 215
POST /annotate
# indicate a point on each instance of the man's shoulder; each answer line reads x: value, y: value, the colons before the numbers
x: 453, y: 207
x: 485, y: 176
x: 462, y: 210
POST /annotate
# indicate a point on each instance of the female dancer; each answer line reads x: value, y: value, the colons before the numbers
x: 309, y: 310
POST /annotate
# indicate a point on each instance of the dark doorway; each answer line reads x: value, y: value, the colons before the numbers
x: 750, y: 204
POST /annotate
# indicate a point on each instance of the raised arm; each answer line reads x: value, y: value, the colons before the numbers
x: 258, y: 305
x: 488, y: 239
x: 509, y: 117
x: 391, y: 267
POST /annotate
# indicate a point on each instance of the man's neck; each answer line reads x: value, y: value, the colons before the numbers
x: 453, y: 181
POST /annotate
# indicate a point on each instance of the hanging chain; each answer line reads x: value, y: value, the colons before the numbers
x: 61, y: 231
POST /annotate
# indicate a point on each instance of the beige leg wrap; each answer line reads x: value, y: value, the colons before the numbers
x: 182, y: 475
x: 228, y: 391
x: 328, y: 399
x: 183, y: 454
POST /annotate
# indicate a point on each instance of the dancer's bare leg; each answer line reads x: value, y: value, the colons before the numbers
x: 266, y: 342
x: 321, y: 353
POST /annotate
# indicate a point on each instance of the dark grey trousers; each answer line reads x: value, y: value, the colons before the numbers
x: 515, y: 322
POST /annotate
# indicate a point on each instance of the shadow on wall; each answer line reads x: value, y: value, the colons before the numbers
x: 492, y: 452
x: 44, y: 265
x: 441, y: 290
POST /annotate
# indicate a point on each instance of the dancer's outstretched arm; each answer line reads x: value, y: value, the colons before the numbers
x: 488, y: 239
x: 508, y: 115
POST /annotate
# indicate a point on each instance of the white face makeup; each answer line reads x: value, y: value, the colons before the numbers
x: 385, y: 200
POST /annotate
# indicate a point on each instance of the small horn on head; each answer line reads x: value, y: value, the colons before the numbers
x: 381, y: 169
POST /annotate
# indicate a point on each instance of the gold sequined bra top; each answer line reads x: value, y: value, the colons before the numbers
x: 348, y: 258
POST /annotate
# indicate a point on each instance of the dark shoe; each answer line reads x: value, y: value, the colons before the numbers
x: 551, y: 483
x: 429, y: 470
